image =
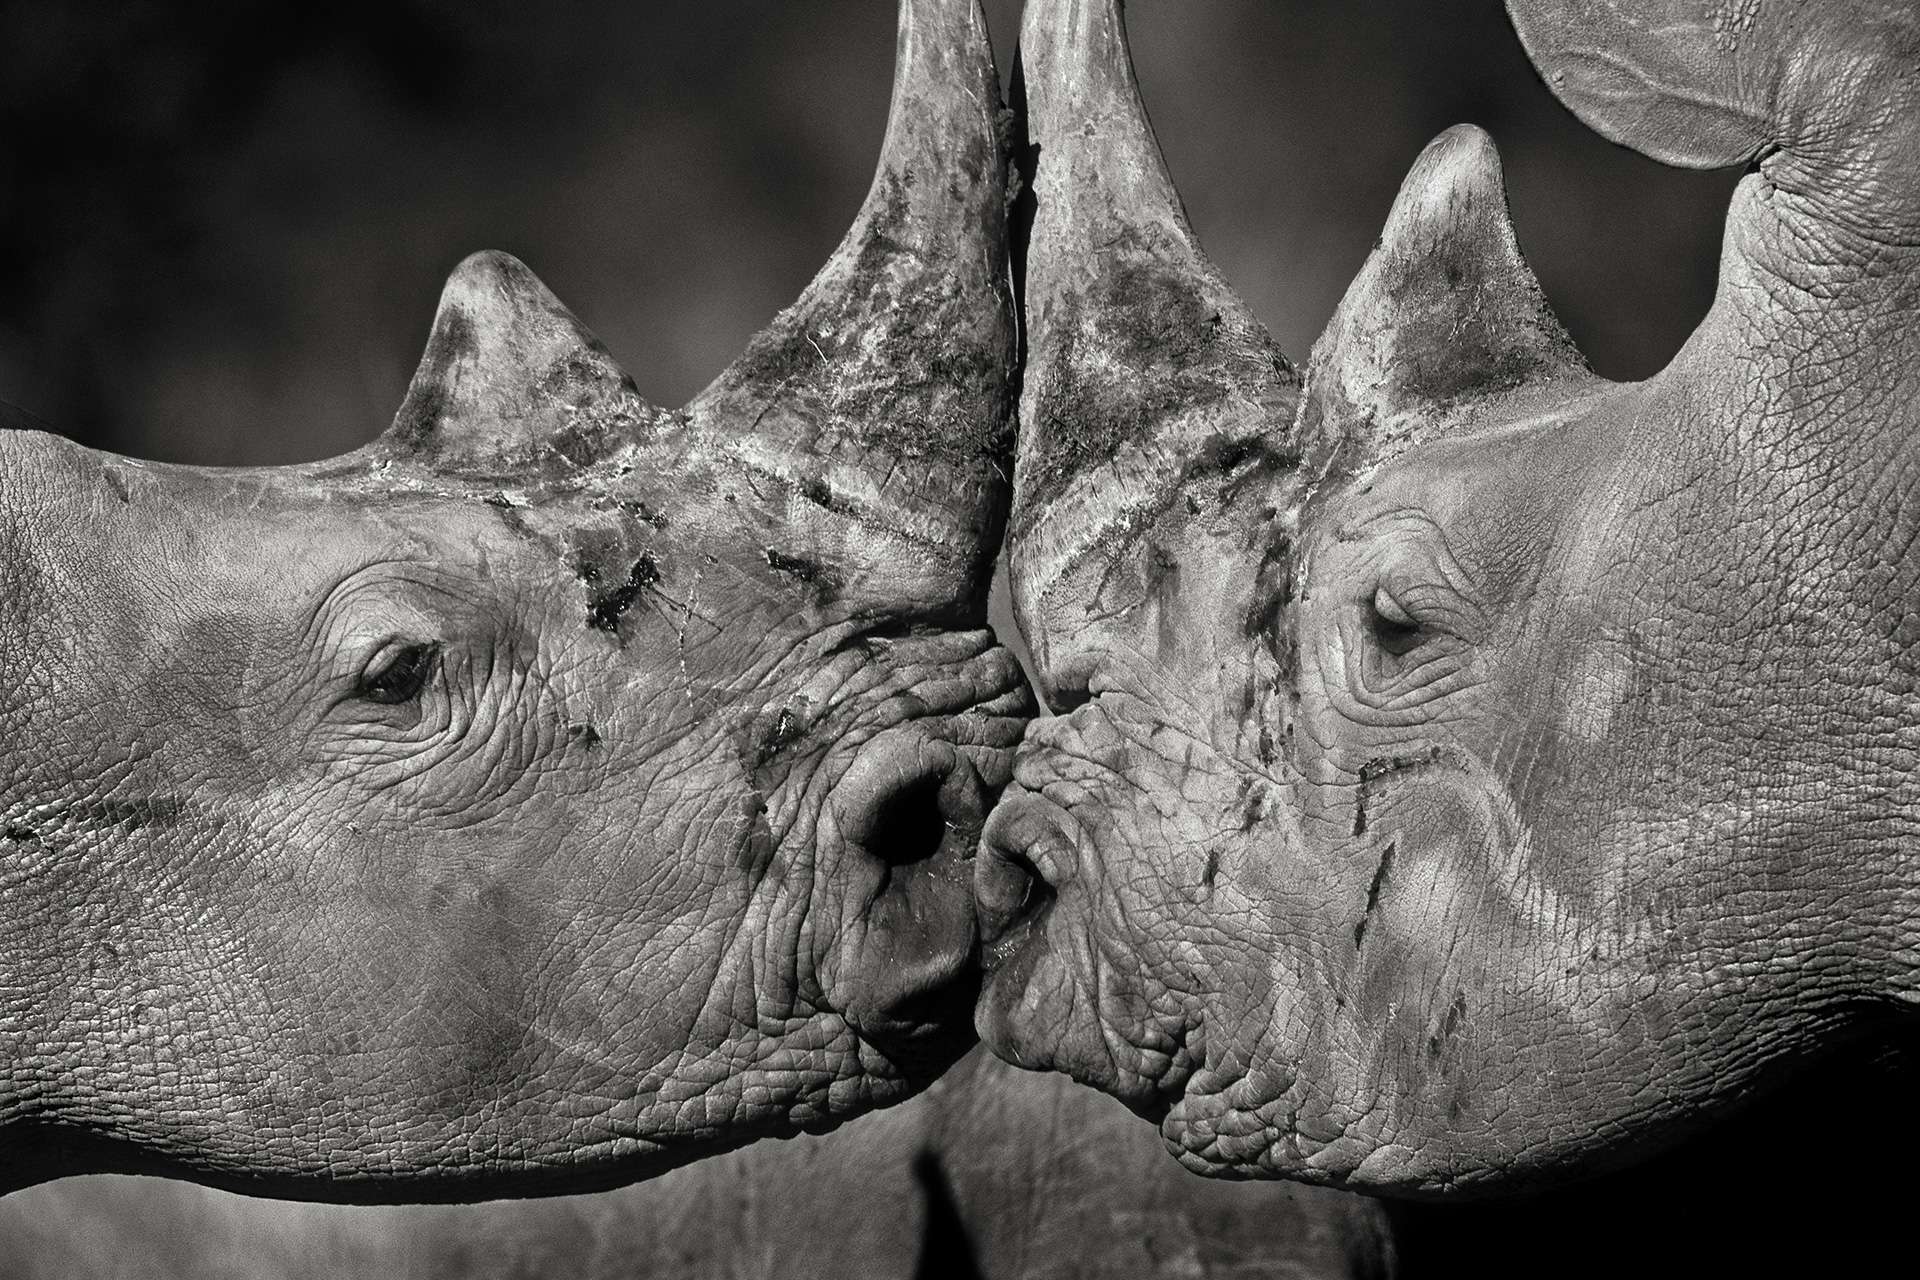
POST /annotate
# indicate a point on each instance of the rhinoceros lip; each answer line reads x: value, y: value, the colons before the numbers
x: 1025, y: 851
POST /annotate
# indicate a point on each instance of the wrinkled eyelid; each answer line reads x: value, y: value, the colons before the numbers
x: 398, y: 670
x: 1390, y: 609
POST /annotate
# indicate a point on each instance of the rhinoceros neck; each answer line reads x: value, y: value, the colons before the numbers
x: 1793, y: 420
x: 1812, y: 337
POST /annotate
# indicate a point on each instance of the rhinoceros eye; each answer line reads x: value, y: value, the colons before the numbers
x: 398, y: 672
x: 1394, y: 628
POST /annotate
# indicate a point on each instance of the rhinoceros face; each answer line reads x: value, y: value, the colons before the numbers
x: 557, y: 788
x: 1476, y: 769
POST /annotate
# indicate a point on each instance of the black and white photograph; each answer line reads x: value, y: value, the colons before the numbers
x: 959, y: 639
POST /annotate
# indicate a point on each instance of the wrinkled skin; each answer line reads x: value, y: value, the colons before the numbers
x: 1477, y: 773
x: 990, y: 1173
x: 553, y: 791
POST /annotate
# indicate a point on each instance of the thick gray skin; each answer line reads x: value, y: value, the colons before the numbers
x: 554, y: 791
x: 991, y: 1173
x: 1478, y: 773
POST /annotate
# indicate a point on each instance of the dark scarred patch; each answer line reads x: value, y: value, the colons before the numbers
x: 1239, y: 462
x: 786, y: 729
x: 1437, y: 1043
x: 1444, y: 350
x: 606, y: 607
x: 1272, y: 593
x: 811, y: 572
x: 582, y: 444
x: 1148, y: 346
x: 759, y: 850
x: 1374, y: 890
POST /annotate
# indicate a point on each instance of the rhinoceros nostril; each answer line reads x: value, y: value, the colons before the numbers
x: 910, y: 825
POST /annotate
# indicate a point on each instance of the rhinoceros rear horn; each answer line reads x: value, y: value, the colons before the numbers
x: 880, y: 403
x: 1141, y: 360
x: 511, y: 382
x: 1830, y: 87
x: 1444, y: 322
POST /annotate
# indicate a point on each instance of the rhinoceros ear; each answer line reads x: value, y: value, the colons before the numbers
x: 511, y: 381
x: 1444, y: 320
x: 1830, y: 87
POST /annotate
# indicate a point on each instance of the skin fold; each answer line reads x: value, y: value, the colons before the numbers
x: 991, y: 1173
x: 557, y: 789
x: 1472, y: 773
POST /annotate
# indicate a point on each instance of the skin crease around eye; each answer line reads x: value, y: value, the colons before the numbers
x: 398, y: 671
x: 1396, y: 630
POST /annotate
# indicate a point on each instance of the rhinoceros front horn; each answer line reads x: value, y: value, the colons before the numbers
x: 866, y: 427
x: 1143, y: 365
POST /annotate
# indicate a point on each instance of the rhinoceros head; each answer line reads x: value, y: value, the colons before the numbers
x: 559, y: 786
x: 1474, y: 767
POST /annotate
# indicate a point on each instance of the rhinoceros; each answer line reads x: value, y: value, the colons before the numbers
x: 1473, y: 772
x: 559, y: 787
x: 991, y: 1172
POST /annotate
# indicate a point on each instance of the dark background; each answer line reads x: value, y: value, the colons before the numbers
x: 224, y: 226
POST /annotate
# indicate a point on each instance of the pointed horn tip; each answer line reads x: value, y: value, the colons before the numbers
x: 491, y: 281
x: 944, y: 54
x: 1045, y: 22
x: 1458, y: 176
x: 1081, y: 58
x: 916, y: 15
x: 1466, y: 152
x: 943, y: 119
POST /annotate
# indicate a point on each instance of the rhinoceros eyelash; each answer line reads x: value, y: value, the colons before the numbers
x: 398, y: 672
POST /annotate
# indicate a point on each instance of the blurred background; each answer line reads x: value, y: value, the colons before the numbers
x: 224, y: 226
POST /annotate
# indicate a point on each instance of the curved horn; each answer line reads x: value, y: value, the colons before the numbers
x: 1445, y: 319
x: 880, y: 401
x: 1142, y: 362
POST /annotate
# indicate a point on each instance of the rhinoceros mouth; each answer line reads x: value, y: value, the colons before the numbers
x: 1050, y: 990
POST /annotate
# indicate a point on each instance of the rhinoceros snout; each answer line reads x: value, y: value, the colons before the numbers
x: 907, y: 816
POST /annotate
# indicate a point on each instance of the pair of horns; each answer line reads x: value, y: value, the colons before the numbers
x: 901, y: 351
x: 1124, y: 305
x: 884, y: 389
x: 1133, y: 333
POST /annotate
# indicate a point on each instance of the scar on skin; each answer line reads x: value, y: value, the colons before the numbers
x: 606, y: 608
x: 1380, y: 875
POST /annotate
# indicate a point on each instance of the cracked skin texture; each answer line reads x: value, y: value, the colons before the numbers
x: 548, y: 793
x: 1526, y: 779
x: 991, y: 1174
